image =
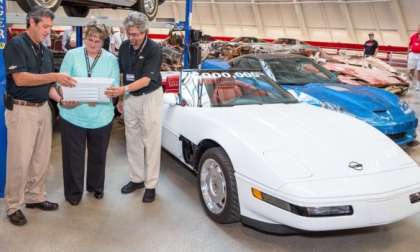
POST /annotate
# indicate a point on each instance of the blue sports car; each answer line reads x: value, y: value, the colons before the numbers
x: 312, y: 83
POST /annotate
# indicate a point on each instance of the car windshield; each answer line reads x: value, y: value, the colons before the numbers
x: 299, y: 71
x: 230, y: 88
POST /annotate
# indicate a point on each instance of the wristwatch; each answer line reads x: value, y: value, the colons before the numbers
x: 126, y: 92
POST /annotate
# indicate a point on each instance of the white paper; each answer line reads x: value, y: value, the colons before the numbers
x: 88, y: 90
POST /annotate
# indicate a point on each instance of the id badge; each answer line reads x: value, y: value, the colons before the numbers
x: 129, y: 77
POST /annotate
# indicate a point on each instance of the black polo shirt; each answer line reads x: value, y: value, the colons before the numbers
x: 143, y: 62
x: 370, y: 47
x: 21, y: 54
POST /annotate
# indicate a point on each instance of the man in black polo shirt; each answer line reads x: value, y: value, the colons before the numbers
x: 371, y: 46
x: 140, y: 60
x: 29, y: 67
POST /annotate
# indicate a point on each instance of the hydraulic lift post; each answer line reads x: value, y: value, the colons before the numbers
x: 3, y: 140
x: 187, y: 28
x: 79, y: 36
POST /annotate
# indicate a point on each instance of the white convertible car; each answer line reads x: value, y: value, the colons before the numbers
x: 270, y: 162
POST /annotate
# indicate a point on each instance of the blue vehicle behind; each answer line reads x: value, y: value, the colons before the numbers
x: 311, y: 83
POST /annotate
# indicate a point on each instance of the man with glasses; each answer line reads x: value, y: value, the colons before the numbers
x: 140, y: 61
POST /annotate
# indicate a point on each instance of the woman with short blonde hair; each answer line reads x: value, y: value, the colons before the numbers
x: 87, y: 125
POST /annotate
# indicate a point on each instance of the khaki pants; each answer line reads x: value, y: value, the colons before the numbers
x: 29, y: 133
x: 142, y: 118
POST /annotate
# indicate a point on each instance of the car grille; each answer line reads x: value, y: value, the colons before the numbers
x: 397, y: 136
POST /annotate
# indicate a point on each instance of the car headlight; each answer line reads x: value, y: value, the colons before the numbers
x: 326, y: 211
x: 332, y: 107
x: 405, y: 107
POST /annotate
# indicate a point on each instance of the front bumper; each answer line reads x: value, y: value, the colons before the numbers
x: 400, y: 133
x: 374, y: 210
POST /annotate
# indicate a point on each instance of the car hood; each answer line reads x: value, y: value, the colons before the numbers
x: 376, y: 106
x: 318, y: 143
x: 350, y: 98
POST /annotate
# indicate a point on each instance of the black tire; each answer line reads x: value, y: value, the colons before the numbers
x: 76, y: 11
x: 148, y: 7
x: 27, y: 5
x: 231, y: 211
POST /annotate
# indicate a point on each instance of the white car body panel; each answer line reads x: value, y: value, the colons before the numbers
x: 301, y: 154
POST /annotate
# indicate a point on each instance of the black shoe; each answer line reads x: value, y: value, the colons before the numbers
x: 46, y: 206
x: 131, y: 187
x: 73, y: 202
x: 98, y: 195
x: 17, y: 218
x: 149, y: 195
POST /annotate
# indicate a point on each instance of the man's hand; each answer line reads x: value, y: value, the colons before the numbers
x: 69, y: 104
x: 120, y: 106
x: 114, y: 91
x: 65, y: 80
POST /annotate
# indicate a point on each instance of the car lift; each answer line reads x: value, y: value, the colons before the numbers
x: 15, y: 18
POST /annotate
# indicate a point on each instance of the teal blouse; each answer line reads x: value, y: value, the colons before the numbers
x: 85, y: 116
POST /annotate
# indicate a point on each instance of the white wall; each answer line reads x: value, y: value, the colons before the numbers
x: 322, y: 21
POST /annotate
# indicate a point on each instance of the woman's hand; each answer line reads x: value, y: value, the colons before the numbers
x: 114, y: 91
x: 69, y: 104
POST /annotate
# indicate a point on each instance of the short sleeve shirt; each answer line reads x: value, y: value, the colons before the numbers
x: 75, y: 65
x: 370, y: 47
x: 415, y: 43
x: 136, y: 64
x: 21, y: 54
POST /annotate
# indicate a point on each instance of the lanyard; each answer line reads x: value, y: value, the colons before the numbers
x: 137, y: 55
x: 39, y: 55
x: 90, y: 67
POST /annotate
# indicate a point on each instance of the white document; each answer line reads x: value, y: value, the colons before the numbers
x: 88, y: 90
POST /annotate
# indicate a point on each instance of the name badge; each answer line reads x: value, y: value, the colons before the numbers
x: 129, y: 77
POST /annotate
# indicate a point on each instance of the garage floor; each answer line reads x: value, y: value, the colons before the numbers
x: 175, y: 221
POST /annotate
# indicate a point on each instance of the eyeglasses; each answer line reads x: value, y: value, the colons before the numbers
x: 93, y: 40
x: 135, y: 35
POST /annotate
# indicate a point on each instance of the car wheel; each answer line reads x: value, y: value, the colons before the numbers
x: 148, y: 7
x: 76, y: 11
x: 217, y: 186
x: 27, y: 5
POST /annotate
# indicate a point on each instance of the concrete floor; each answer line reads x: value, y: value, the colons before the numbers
x: 175, y: 221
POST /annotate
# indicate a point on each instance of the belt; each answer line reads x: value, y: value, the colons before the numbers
x: 139, y: 93
x: 28, y: 103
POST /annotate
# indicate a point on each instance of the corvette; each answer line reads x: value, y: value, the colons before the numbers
x: 269, y: 161
x: 312, y: 83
